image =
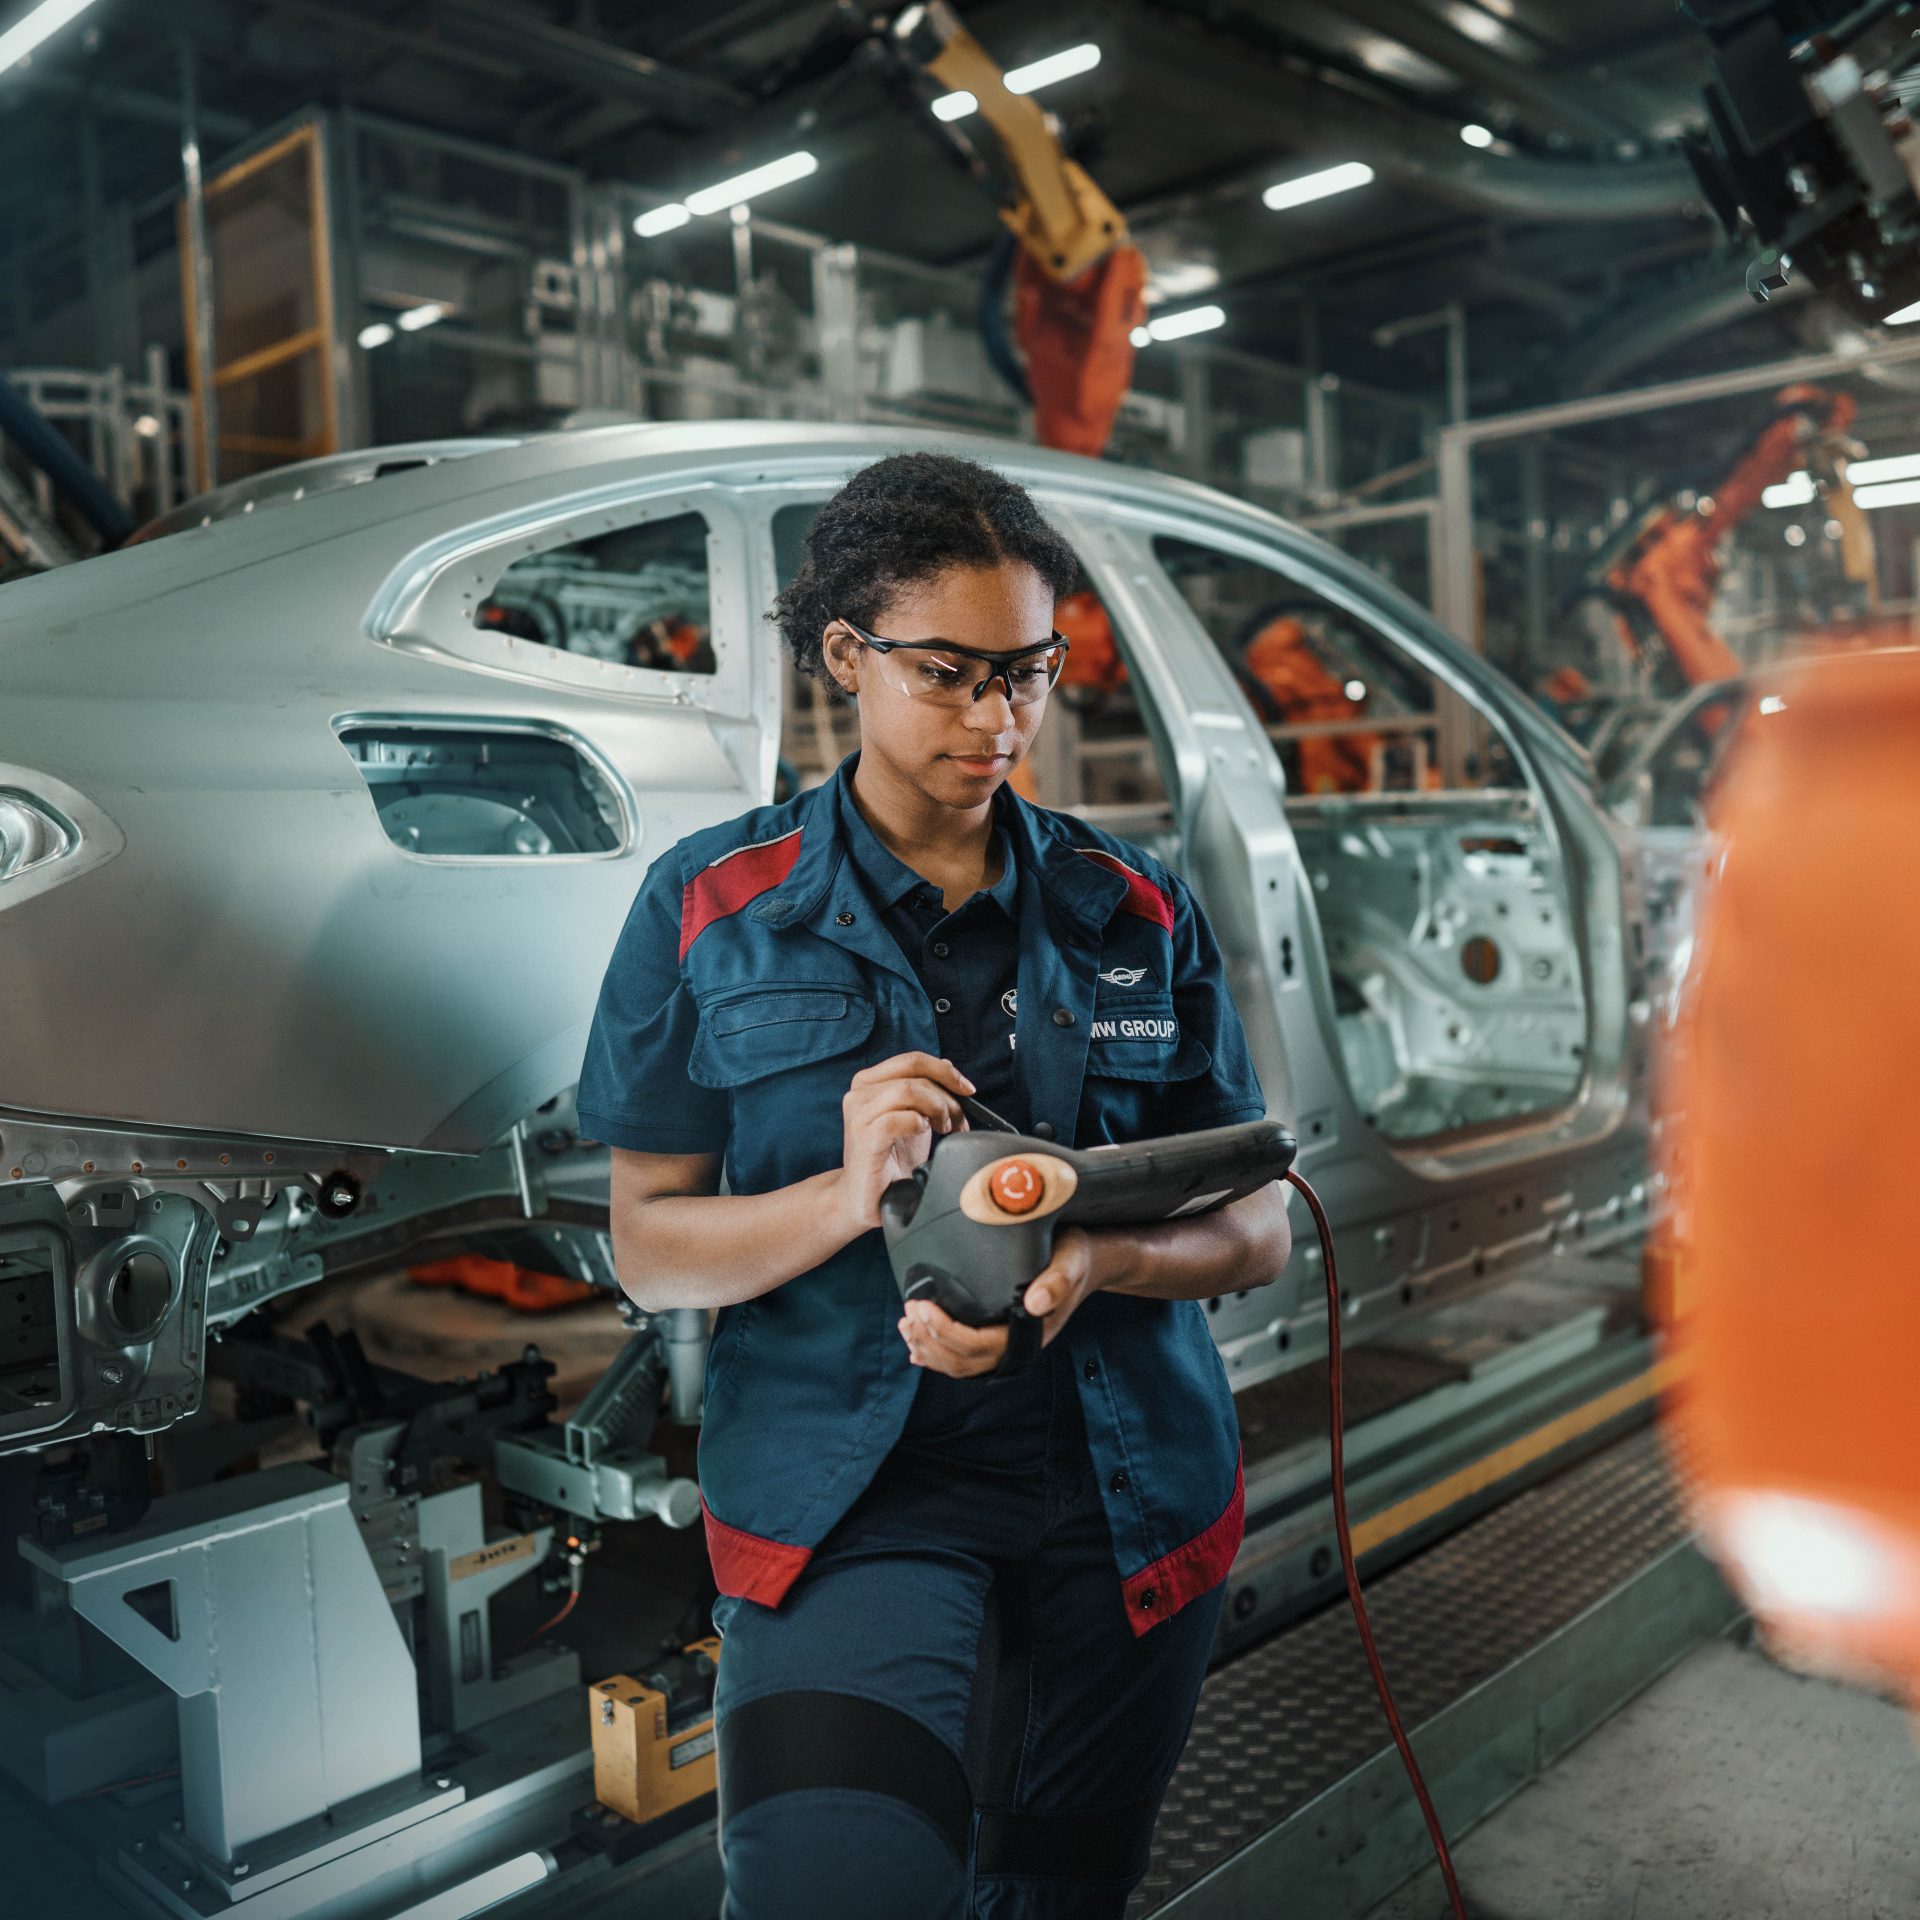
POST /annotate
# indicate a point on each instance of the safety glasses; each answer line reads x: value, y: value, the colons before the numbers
x: 948, y: 676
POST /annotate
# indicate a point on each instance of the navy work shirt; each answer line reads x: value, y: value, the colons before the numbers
x: 968, y: 962
x: 756, y: 974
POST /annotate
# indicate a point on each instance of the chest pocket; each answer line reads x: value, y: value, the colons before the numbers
x: 757, y: 1032
x: 1138, y: 1037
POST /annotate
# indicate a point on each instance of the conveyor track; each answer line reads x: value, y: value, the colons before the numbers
x: 1284, y: 1729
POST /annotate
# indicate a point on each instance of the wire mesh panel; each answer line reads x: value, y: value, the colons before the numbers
x: 270, y: 249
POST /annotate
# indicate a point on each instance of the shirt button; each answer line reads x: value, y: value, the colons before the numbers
x: 1061, y: 1017
x: 843, y: 919
x: 1118, y: 1484
x: 1043, y: 1129
x: 1149, y: 1599
x: 1091, y: 1370
x: 943, y: 1006
x: 941, y: 949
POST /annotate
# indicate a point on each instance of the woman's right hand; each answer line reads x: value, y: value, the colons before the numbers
x: 888, y: 1119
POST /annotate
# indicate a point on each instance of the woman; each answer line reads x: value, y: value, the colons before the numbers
x: 966, y: 1607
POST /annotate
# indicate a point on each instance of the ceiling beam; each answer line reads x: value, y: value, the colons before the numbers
x: 590, y: 65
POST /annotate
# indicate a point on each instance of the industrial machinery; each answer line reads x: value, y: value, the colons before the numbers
x: 373, y: 865
x: 1079, y: 283
x: 1660, y: 573
x: 1810, y: 155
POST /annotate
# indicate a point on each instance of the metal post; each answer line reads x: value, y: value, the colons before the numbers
x: 611, y: 298
x: 200, y: 266
x: 160, y: 447
x: 1196, y: 413
x: 836, y: 324
x: 1457, y: 404
x: 742, y: 250
x: 350, y: 305
x: 1454, y: 584
x: 1534, y: 525
x: 1314, y: 405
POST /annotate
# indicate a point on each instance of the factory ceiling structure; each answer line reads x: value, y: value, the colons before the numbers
x: 1521, y: 159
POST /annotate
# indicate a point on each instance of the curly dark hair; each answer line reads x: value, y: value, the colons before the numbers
x: 901, y: 521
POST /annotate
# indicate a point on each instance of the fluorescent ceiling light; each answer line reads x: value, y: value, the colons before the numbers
x: 1905, y: 317
x: 44, y: 21
x: 1028, y: 79
x: 1182, y: 280
x: 1476, y: 135
x: 1895, y: 493
x: 1896, y: 466
x: 1056, y: 66
x: 661, y: 220
x: 1476, y: 25
x: 1316, y: 186
x: 1176, y: 326
x: 743, y: 186
x: 421, y: 316
x: 376, y: 335
x: 1796, y: 490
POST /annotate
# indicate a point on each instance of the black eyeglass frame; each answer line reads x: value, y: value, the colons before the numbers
x: 1000, y: 664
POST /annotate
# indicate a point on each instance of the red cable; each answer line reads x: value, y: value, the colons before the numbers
x: 572, y: 1601
x: 1345, y: 1535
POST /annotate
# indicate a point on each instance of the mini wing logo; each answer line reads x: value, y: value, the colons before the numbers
x: 1124, y: 976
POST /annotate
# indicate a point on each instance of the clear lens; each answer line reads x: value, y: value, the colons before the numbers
x: 950, y: 678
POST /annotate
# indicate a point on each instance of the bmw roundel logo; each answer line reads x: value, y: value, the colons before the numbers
x: 1010, y: 1001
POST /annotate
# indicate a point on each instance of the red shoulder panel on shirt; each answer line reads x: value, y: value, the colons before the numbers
x: 726, y: 885
x: 1142, y: 896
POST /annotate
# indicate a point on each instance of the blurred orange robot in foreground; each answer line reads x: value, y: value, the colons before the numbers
x: 1792, y: 1142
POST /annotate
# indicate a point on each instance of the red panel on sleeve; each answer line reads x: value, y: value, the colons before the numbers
x: 748, y: 1567
x: 726, y: 885
x: 1159, y: 1591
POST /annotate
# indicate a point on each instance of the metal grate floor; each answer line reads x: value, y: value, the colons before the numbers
x: 1287, y: 1720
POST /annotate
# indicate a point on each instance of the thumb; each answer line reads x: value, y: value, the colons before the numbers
x: 1044, y: 1293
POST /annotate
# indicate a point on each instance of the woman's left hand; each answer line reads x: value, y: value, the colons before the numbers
x: 938, y: 1341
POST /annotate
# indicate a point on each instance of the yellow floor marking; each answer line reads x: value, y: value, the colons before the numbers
x: 1496, y: 1466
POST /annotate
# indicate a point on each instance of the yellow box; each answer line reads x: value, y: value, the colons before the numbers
x: 640, y: 1770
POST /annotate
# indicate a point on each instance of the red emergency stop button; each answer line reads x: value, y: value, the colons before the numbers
x: 1016, y: 1186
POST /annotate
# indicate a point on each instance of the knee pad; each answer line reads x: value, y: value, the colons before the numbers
x: 834, y: 1804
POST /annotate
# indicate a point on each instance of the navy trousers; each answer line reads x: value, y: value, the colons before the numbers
x: 950, y: 1715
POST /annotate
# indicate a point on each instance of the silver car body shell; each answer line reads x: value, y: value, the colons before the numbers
x: 239, y: 977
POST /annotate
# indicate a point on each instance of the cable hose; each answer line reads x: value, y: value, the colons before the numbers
x: 1337, y: 1424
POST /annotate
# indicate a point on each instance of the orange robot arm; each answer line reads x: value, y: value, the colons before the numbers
x: 1672, y: 569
